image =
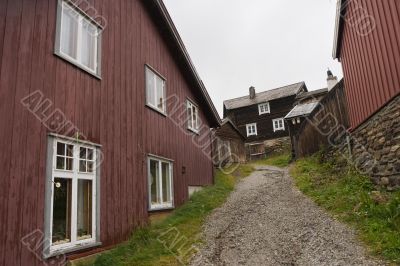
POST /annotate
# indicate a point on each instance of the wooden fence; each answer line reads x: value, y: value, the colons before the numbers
x: 325, y: 125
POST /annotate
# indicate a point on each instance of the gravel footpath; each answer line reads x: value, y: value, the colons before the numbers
x: 267, y: 221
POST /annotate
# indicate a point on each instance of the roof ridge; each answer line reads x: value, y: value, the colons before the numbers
x: 282, y: 87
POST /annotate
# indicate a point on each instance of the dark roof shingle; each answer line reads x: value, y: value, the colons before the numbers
x: 289, y: 90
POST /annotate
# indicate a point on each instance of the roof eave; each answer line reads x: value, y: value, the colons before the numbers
x: 171, y: 27
x: 227, y: 120
x: 340, y: 11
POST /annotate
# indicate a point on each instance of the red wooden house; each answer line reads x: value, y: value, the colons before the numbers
x: 367, y: 43
x: 103, y: 120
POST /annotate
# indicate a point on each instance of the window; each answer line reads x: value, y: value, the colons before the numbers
x: 251, y: 129
x: 263, y: 108
x: 155, y: 91
x: 193, y: 116
x: 78, y: 38
x: 279, y: 124
x: 72, y: 194
x: 160, y: 183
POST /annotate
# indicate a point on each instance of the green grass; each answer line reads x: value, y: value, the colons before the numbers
x: 173, y: 237
x: 352, y: 198
x: 281, y: 160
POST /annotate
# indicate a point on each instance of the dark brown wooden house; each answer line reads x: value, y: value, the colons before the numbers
x: 103, y: 120
x: 367, y: 43
x: 260, y: 116
x: 228, y: 144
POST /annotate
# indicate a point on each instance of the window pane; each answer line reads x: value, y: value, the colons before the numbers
x: 150, y: 87
x: 190, y: 118
x: 62, y: 211
x: 60, y: 148
x: 194, y: 111
x: 90, y: 154
x: 60, y: 164
x: 89, y: 48
x: 166, y: 184
x: 69, y: 164
x: 84, y: 208
x: 160, y: 93
x: 70, y: 150
x: 154, y: 182
x: 197, y: 119
x: 89, y: 167
x: 82, y: 153
x: 82, y: 166
x: 69, y: 31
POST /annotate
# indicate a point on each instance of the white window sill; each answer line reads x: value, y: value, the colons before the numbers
x: 73, y: 62
x: 161, y: 208
x: 70, y: 248
x: 194, y: 131
x: 156, y: 109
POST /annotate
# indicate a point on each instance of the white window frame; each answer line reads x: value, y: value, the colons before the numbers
x: 96, y: 71
x: 193, y: 124
x: 264, y: 108
x: 75, y: 175
x: 249, y: 130
x: 275, y: 124
x: 150, y: 71
x: 160, y: 160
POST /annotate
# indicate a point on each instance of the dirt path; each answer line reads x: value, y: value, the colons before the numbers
x: 267, y: 221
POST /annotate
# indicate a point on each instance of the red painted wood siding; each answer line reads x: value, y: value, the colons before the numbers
x: 371, y: 64
x: 110, y: 112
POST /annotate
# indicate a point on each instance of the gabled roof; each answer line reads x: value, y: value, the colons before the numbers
x: 312, y: 93
x: 169, y: 27
x: 228, y: 121
x: 302, y: 110
x: 305, y: 109
x: 286, y: 91
x: 340, y: 13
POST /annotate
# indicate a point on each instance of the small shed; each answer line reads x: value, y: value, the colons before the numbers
x: 305, y: 104
x: 228, y: 144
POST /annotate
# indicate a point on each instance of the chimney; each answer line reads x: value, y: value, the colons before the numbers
x: 332, y: 80
x: 252, y: 92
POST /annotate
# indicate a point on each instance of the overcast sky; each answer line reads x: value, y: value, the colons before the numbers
x: 235, y: 44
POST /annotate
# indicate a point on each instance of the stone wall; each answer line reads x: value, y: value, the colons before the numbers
x: 376, y: 146
x: 277, y: 146
x: 260, y: 150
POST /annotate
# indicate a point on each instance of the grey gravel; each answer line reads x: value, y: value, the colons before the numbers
x: 267, y: 221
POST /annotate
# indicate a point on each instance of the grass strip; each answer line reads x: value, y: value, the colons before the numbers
x: 353, y: 199
x: 172, y: 241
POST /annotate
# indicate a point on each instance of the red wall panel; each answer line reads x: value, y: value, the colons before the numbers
x: 110, y: 111
x: 371, y: 63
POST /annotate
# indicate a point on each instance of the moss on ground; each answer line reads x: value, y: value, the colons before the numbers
x: 352, y: 198
x: 280, y: 160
